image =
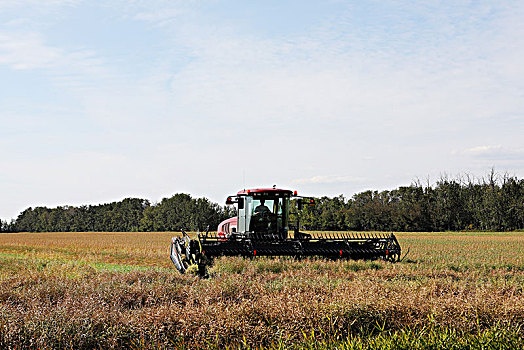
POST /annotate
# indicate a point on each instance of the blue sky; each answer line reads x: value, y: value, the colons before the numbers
x: 104, y: 100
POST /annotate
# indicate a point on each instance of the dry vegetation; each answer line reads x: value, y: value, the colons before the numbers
x: 103, y: 290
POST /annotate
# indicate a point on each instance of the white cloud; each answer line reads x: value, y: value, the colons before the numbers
x: 496, y: 152
x: 32, y: 3
x: 27, y: 51
x: 328, y: 179
x: 160, y: 17
x: 483, y: 149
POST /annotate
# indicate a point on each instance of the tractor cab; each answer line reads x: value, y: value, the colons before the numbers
x: 263, y: 213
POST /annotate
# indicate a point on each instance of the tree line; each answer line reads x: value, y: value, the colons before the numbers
x: 180, y: 211
x: 495, y: 202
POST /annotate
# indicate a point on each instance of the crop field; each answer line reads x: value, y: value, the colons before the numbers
x: 120, y: 290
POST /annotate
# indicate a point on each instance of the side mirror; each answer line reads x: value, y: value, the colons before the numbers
x: 241, y: 203
x: 300, y: 205
x: 229, y: 200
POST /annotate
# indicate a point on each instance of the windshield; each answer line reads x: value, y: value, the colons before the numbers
x: 272, y: 205
x: 269, y: 214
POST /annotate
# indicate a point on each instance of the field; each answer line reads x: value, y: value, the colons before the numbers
x: 111, y: 290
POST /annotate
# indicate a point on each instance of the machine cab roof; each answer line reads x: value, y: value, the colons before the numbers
x: 265, y: 191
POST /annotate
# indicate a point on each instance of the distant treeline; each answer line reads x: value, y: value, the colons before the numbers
x: 491, y: 203
x: 180, y: 211
x: 494, y: 203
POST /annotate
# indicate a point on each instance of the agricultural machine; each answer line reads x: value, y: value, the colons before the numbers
x: 262, y: 229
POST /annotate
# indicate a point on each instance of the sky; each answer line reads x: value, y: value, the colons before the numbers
x: 100, y: 101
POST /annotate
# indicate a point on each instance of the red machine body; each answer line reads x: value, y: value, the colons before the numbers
x: 226, y: 227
